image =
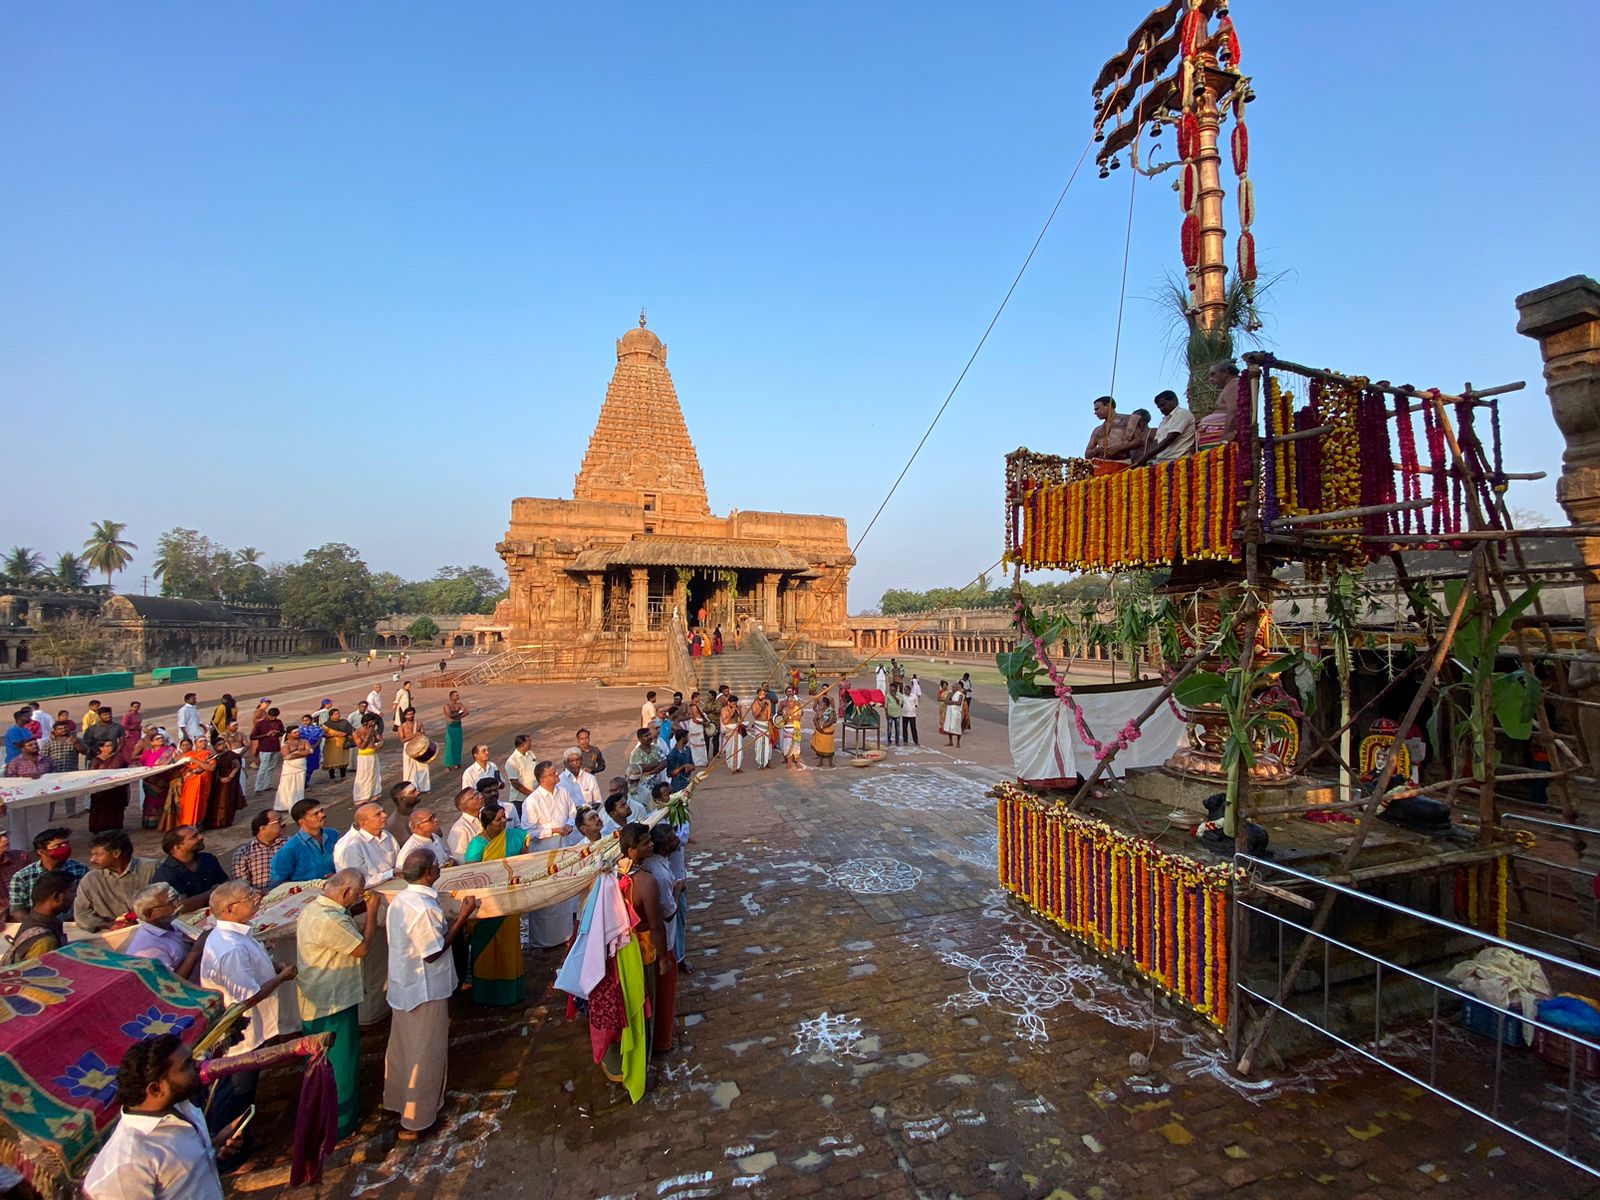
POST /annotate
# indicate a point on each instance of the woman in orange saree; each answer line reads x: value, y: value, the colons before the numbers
x: 198, y: 765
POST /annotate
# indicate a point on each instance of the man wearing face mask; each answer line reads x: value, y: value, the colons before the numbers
x: 160, y: 1146
x: 52, y: 849
x: 234, y: 964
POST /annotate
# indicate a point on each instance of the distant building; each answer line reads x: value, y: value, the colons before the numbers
x: 604, y: 573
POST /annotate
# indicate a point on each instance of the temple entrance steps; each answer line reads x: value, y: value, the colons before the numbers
x: 743, y: 670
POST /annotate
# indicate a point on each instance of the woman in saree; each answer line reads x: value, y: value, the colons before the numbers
x: 194, y: 782
x: 224, y: 715
x: 497, y: 971
x: 153, y: 751
x: 227, y: 792
x: 107, y: 806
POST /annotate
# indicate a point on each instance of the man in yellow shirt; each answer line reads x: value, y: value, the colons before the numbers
x: 328, y: 952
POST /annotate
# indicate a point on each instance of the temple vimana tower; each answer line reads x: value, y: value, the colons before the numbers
x: 603, y: 579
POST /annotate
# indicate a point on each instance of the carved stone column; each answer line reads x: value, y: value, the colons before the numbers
x: 1565, y: 320
x: 597, y: 601
x: 639, y: 599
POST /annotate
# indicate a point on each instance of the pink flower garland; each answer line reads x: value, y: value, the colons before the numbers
x: 1102, y: 750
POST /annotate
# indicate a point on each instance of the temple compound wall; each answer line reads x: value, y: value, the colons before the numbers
x: 637, y: 555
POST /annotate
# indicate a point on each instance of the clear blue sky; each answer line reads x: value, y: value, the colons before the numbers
x: 296, y: 273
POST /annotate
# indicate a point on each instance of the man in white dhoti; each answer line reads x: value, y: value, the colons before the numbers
x: 368, y: 740
x: 550, y: 818
x: 882, y: 678
x: 370, y: 848
x: 421, y: 977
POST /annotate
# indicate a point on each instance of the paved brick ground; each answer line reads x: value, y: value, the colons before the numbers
x: 871, y: 1018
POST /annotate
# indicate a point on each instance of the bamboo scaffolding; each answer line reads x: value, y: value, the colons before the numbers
x: 1325, y: 909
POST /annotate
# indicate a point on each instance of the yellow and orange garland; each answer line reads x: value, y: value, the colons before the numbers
x: 1157, y: 515
x: 1164, y: 915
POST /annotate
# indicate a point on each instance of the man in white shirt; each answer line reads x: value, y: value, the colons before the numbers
x: 370, y: 848
x: 189, y: 718
x: 520, y: 764
x: 426, y: 835
x: 235, y: 965
x: 1175, y: 436
x: 160, y: 1146
x: 550, y: 819
x: 375, y: 700
x: 647, y: 710
x: 402, y: 701
x: 908, y: 712
x: 466, y: 827
x: 480, y: 767
x: 421, y: 977
x: 580, y: 787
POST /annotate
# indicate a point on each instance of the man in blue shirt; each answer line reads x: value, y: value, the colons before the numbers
x: 309, y: 853
x: 19, y: 734
x: 680, y: 762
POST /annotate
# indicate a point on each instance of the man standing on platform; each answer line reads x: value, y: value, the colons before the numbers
x: 329, y: 953
x: 1174, y: 437
x: 421, y: 978
x: 454, y: 713
x: 1114, y: 437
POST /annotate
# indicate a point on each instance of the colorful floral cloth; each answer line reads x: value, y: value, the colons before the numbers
x: 66, y: 1019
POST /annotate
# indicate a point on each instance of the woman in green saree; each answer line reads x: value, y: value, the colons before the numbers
x: 497, y: 971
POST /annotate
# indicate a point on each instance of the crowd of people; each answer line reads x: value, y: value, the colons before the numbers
x: 359, y: 955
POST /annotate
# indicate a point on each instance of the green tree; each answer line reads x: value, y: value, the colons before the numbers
x: 22, y: 565
x: 69, y: 571
x: 330, y: 589
x: 191, y: 565
x: 246, y: 580
x: 72, y: 642
x: 422, y: 630
x: 106, y: 550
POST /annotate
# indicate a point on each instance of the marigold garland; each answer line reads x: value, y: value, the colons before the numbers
x: 1165, y: 915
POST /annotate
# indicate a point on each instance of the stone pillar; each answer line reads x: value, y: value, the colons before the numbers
x: 639, y: 600
x: 1565, y: 320
x: 597, y: 601
x: 769, y: 602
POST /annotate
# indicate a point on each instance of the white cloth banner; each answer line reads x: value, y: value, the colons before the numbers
x: 1044, y: 733
x: 63, y: 785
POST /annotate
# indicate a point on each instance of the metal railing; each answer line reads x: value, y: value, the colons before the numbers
x: 1582, y: 934
x: 1511, y: 1091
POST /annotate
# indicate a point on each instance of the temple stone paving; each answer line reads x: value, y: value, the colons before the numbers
x: 870, y: 1017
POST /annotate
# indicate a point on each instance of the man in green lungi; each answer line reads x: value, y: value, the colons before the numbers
x: 329, y: 950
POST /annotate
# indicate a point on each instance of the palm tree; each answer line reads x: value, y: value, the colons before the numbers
x: 248, y: 557
x: 69, y: 571
x: 22, y: 564
x: 1202, y: 347
x: 106, y: 550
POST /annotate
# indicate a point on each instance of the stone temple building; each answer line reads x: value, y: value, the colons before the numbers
x: 599, y: 582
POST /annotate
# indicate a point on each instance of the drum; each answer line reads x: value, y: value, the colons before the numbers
x: 421, y: 748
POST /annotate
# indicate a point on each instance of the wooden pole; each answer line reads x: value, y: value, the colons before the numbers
x: 1303, y: 954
